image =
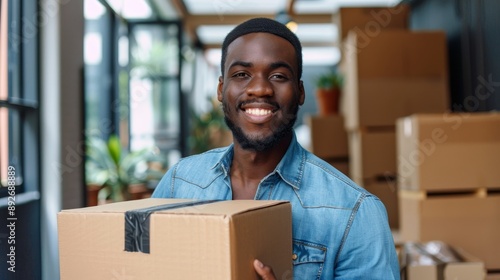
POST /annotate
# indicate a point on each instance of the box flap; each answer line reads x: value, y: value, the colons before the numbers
x: 224, y: 208
x: 121, y: 207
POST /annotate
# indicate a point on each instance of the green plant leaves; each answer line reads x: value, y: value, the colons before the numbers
x: 108, y: 165
x: 329, y: 81
x: 114, y: 148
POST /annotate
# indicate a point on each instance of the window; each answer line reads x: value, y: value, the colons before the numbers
x: 155, y: 94
x: 18, y: 99
x: 132, y: 82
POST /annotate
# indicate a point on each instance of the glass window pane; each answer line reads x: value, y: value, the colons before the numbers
x: 154, y: 88
x: 14, y: 49
x: 155, y: 50
x: 3, y: 50
x: 10, y: 146
x: 99, y: 118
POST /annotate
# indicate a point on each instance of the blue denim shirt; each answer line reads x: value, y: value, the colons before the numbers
x: 340, y: 231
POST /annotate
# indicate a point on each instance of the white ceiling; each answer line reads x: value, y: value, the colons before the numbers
x: 238, y: 7
x: 320, y: 40
x: 321, y: 34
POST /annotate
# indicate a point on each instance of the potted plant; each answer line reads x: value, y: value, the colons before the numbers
x: 328, y: 90
x: 112, y: 171
x: 208, y: 129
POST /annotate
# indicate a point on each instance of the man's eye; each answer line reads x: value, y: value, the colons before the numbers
x: 240, y: 75
x: 278, y: 77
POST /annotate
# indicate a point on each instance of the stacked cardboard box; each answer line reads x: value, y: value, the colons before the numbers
x: 395, y: 74
x: 436, y: 260
x: 390, y: 72
x: 371, y: 19
x: 175, y: 239
x: 329, y: 140
x: 449, y: 181
x: 493, y: 276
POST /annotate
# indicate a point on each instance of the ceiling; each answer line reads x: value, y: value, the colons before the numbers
x: 208, y: 21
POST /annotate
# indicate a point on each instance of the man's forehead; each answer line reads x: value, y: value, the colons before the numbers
x: 264, y: 25
x: 258, y: 38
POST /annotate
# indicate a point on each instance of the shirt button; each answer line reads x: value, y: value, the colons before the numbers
x: 294, y: 256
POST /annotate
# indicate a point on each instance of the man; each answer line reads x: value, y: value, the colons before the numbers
x: 340, y: 231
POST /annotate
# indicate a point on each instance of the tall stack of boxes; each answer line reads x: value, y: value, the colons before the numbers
x: 390, y: 72
x: 449, y: 181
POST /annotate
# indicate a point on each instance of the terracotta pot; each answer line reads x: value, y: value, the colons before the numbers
x: 328, y: 101
x: 138, y: 191
x: 92, y: 191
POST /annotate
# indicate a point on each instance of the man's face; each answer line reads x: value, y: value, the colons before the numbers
x: 260, y: 91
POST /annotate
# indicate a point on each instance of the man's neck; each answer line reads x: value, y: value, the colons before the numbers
x: 249, y: 167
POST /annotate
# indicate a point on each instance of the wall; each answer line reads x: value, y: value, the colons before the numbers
x: 61, y: 55
x: 473, y: 40
x: 26, y: 239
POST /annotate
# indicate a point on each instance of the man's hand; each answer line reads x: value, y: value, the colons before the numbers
x: 265, y: 272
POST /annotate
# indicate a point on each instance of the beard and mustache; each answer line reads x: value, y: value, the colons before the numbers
x: 261, y: 143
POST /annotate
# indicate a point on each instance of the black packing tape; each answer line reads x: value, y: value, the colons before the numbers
x: 137, y: 224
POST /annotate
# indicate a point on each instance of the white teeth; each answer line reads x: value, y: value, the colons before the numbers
x: 258, y: 112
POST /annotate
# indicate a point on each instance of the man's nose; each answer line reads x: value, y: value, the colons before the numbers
x: 260, y: 86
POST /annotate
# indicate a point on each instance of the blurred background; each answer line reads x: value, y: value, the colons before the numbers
x: 98, y: 98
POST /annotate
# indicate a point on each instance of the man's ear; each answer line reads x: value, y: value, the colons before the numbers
x: 219, y: 88
x: 302, y: 94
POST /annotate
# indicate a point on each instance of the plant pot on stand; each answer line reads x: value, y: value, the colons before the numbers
x: 328, y: 93
x: 328, y: 101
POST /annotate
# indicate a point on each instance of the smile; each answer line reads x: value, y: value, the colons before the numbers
x: 258, y: 111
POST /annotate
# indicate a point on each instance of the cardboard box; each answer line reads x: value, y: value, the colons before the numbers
x: 470, y: 268
x: 387, y: 192
x: 393, y: 75
x: 396, y: 54
x: 328, y: 136
x: 380, y: 102
x: 449, y: 152
x: 217, y: 240
x: 468, y: 221
x: 371, y: 20
x: 372, y: 154
x: 493, y: 276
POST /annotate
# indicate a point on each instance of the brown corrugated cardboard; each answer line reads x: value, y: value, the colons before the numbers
x: 372, y: 154
x: 493, y: 276
x: 387, y: 192
x: 470, y: 222
x: 217, y: 240
x: 448, y: 152
x: 397, y: 54
x: 395, y: 74
x: 328, y: 136
x: 380, y: 102
x: 371, y: 20
x: 471, y: 268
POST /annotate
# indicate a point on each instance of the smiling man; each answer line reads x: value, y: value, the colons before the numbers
x: 340, y: 231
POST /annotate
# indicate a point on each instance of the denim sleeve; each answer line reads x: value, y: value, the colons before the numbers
x: 368, y: 250
x: 164, y: 187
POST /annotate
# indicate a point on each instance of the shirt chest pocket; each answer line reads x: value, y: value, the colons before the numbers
x: 308, y: 260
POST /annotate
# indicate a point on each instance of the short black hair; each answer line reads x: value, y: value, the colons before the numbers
x: 266, y: 25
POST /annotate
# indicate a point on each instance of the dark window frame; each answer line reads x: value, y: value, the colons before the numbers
x: 23, y: 97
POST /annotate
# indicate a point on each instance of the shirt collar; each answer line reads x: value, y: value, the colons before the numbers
x: 290, y: 168
x: 225, y: 160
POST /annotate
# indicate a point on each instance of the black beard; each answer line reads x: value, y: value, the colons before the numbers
x: 263, y: 144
